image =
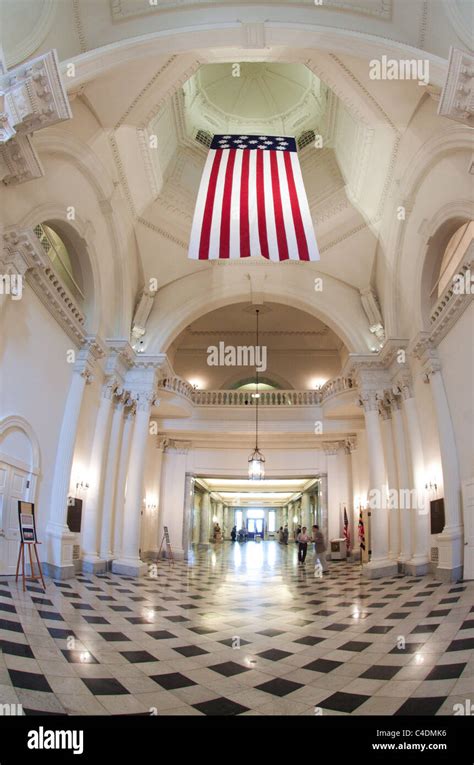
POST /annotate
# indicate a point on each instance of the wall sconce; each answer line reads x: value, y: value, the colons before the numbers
x: 431, y: 486
x: 215, y: 518
x: 82, y: 485
x: 150, y: 503
x: 295, y: 519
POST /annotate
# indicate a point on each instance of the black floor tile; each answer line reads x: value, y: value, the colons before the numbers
x: 322, y: 665
x: 466, y: 644
x: 354, y: 645
x: 138, y: 657
x: 229, y: 668
x: 220, y: 706
x: 172, y: 681
x: 113, y: 637
x: 104, y: 686
x: 310, y: 640
x: 6, y: 624
x: 279, y: 686
x: 161, y: 634
x: 270, y: 633
x: 29, y: 680
x: 421, y: 706
x: 445, y: 672
x: 79, y: 657
x: 190, y: 650
x: 380, y: 672
x: 343, y: 702
x: 274, y: 654
x: 16, y: 649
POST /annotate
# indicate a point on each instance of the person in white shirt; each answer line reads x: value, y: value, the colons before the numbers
x: 302, y: 540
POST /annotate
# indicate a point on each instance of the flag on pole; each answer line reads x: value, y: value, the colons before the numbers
x: 252, y: 202
x: 347, y: 533
x: 361, y: 531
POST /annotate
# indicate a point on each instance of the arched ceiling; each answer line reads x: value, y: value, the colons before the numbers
x: 301, y: 351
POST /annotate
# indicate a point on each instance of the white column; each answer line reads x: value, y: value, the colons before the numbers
x: 149, y: 536
x: 392, y: 480
x: 188, y: 509
x: 451, y: 538
x: 226, y: 530
x: 379, y: 564
x: 205, y: 520
x: 91, y: 562
x: 333, y: 509
x: 403, y: 478
x: 173, y: 501
x: 122, y: 470
x: 59, y: 539
x: 129, y: 562
x: 305, y: 510
x: 418, y: 563
x: 345, y: 486
x: 111, y: 479
x: 197, y: 518
x: 354, y: 518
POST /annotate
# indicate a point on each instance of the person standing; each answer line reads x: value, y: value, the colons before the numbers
x: 280, y: 535
x: 285, y: 535
x: 302, y: 540
x: 233, y: 533
x: 320, y: 547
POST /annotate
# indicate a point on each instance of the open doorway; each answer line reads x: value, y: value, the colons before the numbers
x: 255, y: 523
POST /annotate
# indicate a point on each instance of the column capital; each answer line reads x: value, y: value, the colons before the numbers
x: 350, y: 444
x: 385, y: 409
x: 177, y: 447
x: 425, y: 351
x: 331, y: 448
x: 143, y: 400
x: 111, y: 388
x: 369, y: 401
x: 403, y: 386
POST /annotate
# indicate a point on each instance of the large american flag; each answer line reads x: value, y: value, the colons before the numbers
x: 252, y: 202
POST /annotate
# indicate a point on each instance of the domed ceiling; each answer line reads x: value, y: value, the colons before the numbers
x: 254, y: 96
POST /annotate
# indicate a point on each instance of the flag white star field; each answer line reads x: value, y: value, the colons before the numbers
x: 252, y: 202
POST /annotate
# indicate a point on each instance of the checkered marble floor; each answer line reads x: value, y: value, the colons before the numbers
x: 238, y: 630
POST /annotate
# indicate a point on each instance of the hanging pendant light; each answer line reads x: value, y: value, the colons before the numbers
x: 256, y: 460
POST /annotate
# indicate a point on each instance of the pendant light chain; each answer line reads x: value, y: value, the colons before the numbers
x: 257, y: 395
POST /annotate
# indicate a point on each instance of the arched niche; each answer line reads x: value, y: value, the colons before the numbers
x: 435, y: 252
x: 19, y: 445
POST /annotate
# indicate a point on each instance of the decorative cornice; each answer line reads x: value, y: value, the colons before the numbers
x: 457, y: 97
x: 24, y: 255
x: 32, y: 96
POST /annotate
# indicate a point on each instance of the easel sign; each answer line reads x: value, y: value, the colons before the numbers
x: 26, y: 517
x: 166, y: 540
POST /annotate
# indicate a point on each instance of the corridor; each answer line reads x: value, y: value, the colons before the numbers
x: 238, y: 630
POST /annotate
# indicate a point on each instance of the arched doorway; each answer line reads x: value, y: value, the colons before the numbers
x: 19, y: 468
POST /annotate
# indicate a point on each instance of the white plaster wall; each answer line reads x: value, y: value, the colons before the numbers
x: 456, y: 351
x: 35, y: 382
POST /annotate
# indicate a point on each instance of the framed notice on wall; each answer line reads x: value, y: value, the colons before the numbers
x: 26, y: 519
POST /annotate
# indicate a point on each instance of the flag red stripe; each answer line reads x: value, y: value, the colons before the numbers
x: 277, y: 205
x: 224, y: 242
x: 295, y: 209
x: 244, y: 207
x: 262, y: 223
x: 208, y: 209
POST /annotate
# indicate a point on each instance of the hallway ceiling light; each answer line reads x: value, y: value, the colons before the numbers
x: 256, y: 460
